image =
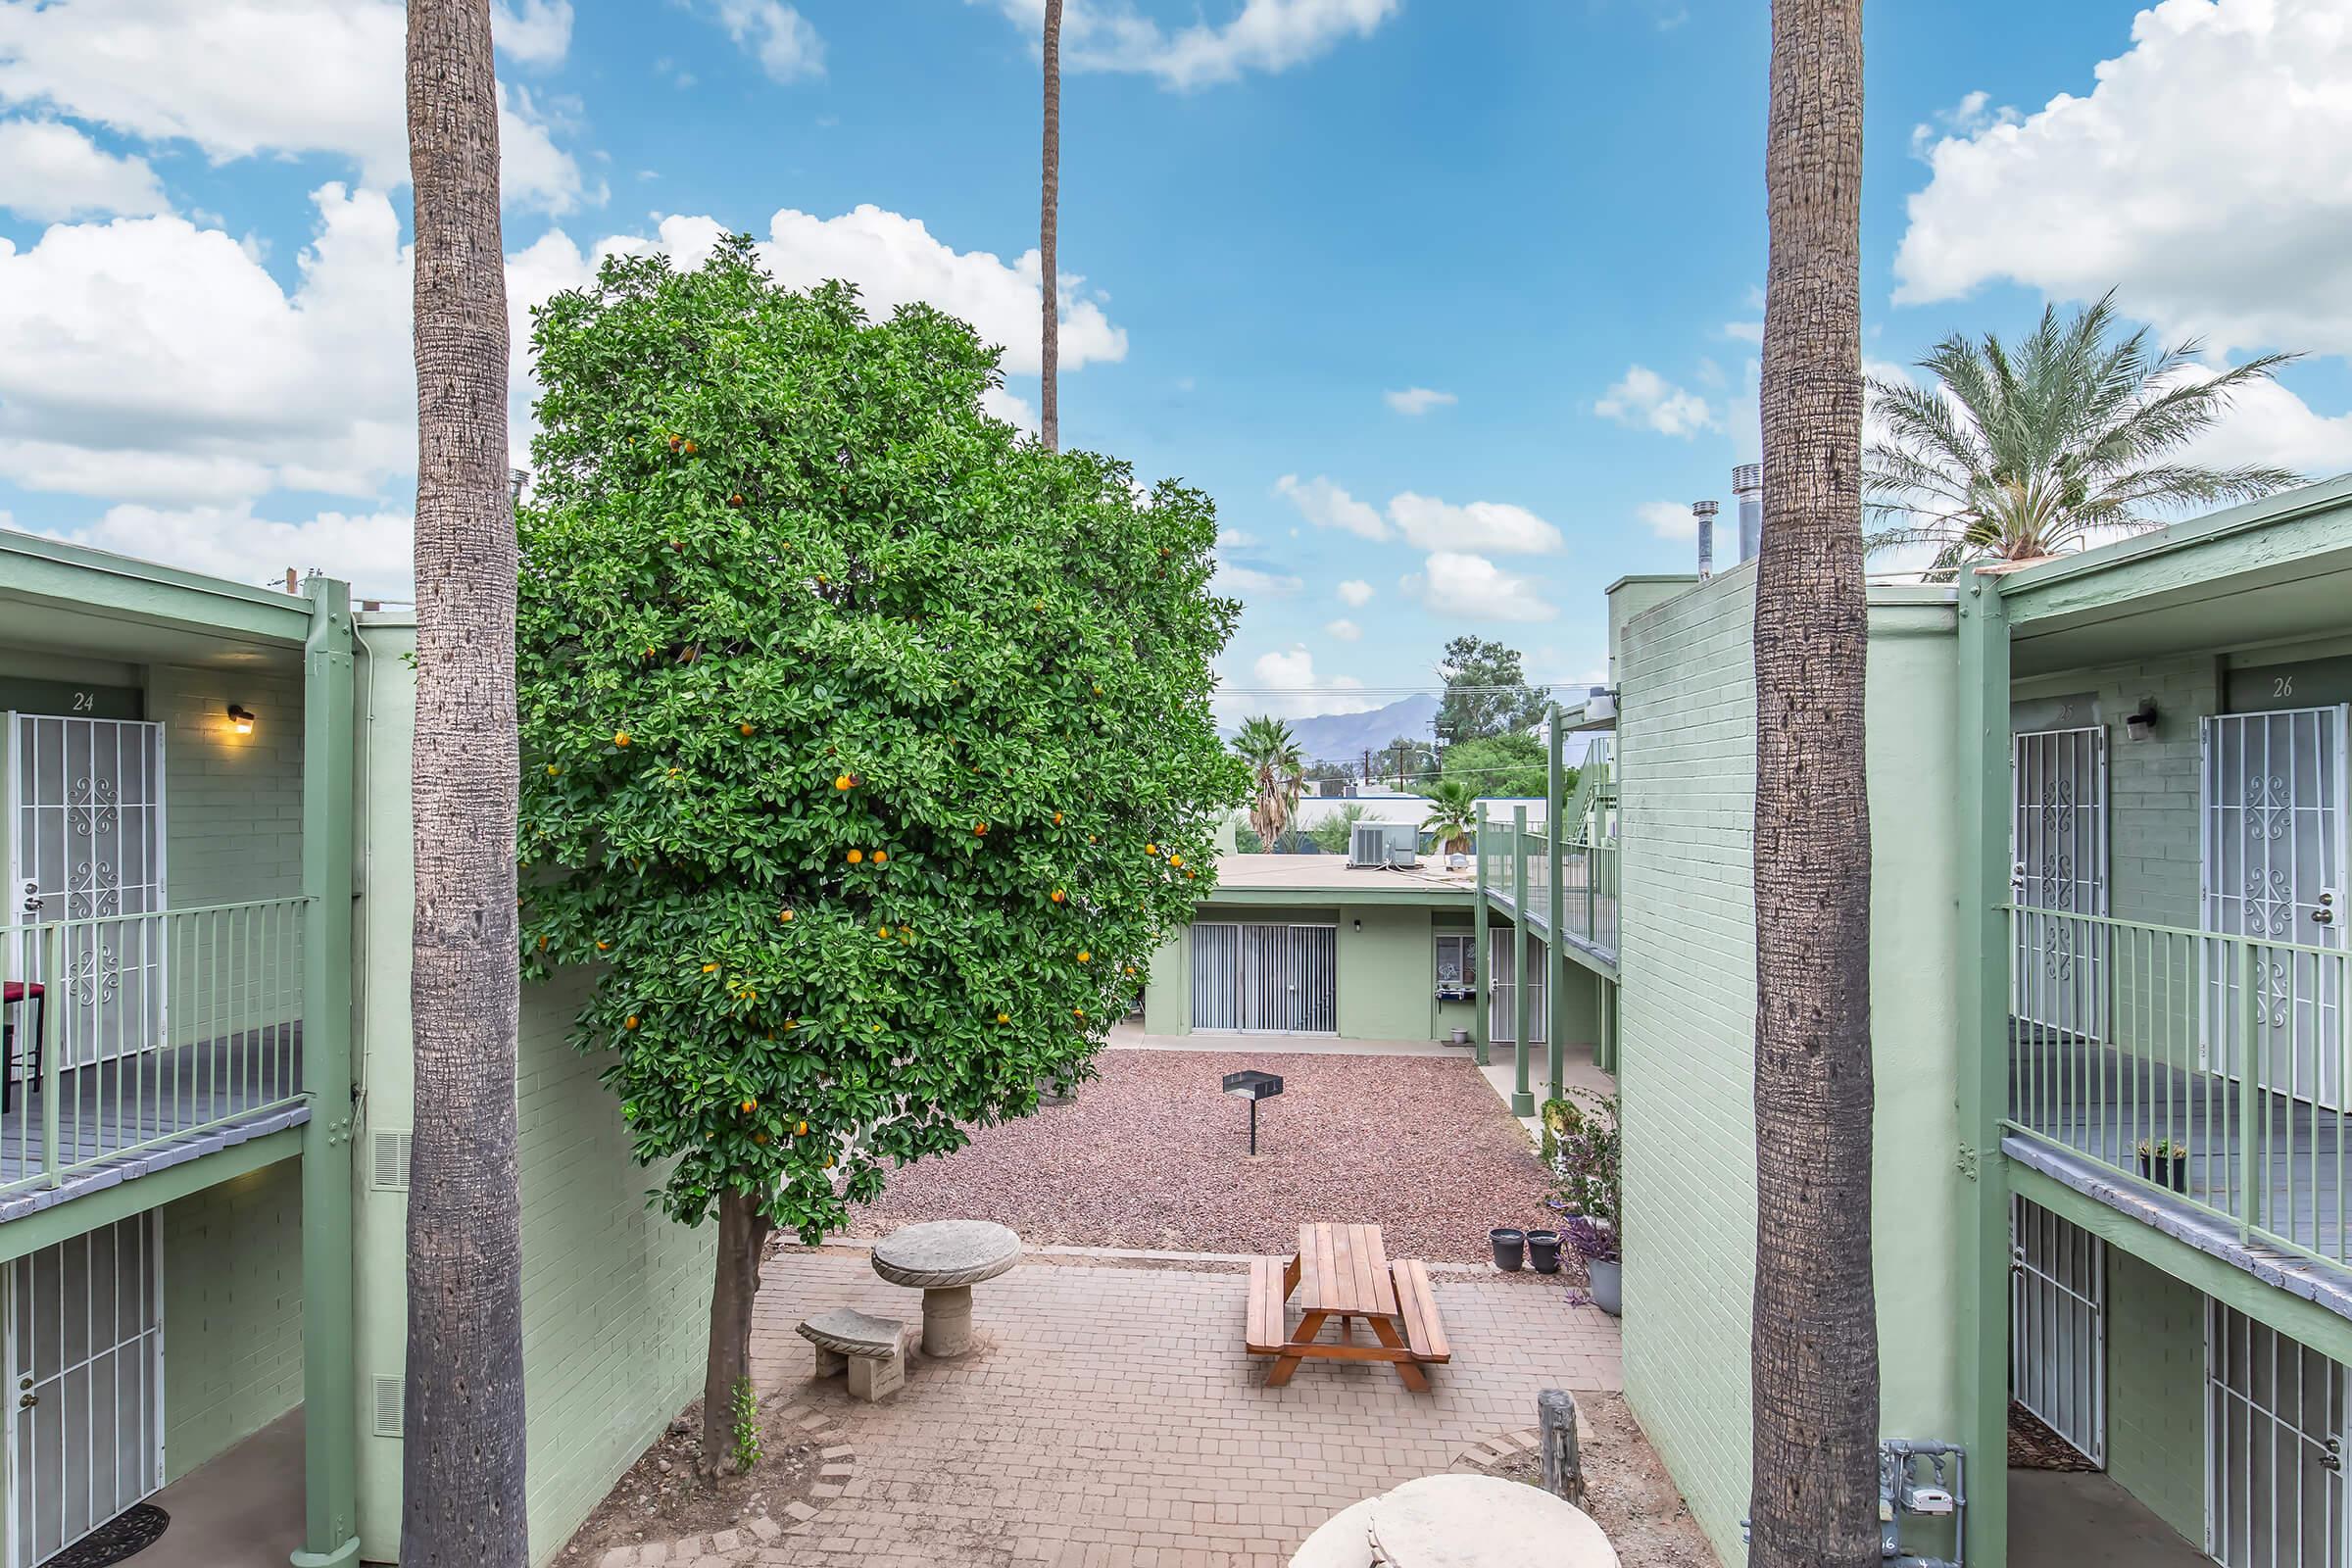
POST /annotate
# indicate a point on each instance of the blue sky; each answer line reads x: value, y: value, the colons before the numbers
x: 1545, y: 217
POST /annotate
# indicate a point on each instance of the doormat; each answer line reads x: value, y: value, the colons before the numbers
x: 2032, y: 1446
x: 128, y: 1534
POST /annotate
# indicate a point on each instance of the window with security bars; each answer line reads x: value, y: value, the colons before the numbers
x: 1458, y: 968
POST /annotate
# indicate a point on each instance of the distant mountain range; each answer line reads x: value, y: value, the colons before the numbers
x: 1345, y: 737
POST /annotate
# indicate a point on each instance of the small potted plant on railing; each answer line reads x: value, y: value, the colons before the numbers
x: 2165, y: 1162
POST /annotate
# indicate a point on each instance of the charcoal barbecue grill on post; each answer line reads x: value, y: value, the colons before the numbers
x: 1252, y: 1086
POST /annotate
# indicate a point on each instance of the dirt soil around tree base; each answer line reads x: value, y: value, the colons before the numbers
x: 658, y: 1498
x: 1155, y: 1155
x: 1626, y: 1489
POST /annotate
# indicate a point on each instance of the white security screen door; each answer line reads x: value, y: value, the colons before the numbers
x: 2058, y: 852
x: 2274, y: 1448
x: 85, y: 839
x: 85, y: 1357
x: 2274, y: 870
x: 1502, y: 1004
x: 1265, y: 979
x: 2058, y: 1326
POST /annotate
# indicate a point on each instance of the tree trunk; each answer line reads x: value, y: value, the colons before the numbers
x: 743, y: 1233
x: 1814, y: 1497
x: 1049, y: 236
x: 462, y: 1465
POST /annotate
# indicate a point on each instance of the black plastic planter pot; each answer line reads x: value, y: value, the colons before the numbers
x: 2166, y: 1171
x: 1510, y: 1248
x: 1544, y: 1252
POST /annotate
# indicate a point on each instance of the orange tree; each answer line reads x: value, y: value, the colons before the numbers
x: 867, y: 745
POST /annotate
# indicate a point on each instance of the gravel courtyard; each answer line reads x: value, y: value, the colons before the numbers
x: 1155, y: 1155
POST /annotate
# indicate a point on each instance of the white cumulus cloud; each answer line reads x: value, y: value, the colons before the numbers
x: 1327, y: 506
x: 1268, y: 35
x: 1343, y: 630
x: 1645, y: 400
x: 1668, y: 519
x: 532, y: 32
x: 2206, y: 176
x: 51, y: 170
x: 1285, y: 684
x: 262, y: 78
x: 1454, y: 583
x: 1428, y: 523
x: 1356, y: 593
x: 1418, y: 400
x: 775, y: 35
x: 373, y: 551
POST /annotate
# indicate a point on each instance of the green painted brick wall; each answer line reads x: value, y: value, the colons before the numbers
x: 232, y: 803
x: 1688, y: 743
x: 2156, y: 1391
x: 1386, y: 972
x: 233, y: 1313
x: 616, y: 1298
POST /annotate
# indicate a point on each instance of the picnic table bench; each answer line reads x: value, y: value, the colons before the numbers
x: 1344, y: 1272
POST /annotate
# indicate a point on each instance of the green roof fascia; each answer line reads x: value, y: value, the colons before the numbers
x: 76, y: 576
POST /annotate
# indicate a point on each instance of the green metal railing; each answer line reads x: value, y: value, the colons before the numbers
x: 2213, y: 1067
x: 131, y: 1031
x: 1590, y: 881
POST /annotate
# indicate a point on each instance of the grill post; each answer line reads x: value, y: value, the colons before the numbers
x: 1563, y: 1464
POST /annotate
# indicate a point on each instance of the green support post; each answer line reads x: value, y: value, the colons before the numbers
x: 1481, y: 958
x: 330, y: 1327
x: 1523, y: 1097
x: 1555, y: 964
x: 1985, y: 828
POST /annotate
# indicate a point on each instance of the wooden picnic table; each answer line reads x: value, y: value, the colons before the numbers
x: 1344, y: 1272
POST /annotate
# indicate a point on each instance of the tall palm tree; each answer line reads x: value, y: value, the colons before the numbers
x: 1814, y: 1424
x: 1277, y: 774
x: 1049, y: 226
x: 1452, y: 814
x: 462, y: 1465
x: 2014, y: 454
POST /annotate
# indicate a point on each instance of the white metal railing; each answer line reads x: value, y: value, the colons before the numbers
x: 2214, y: 1067
x: 129, y: 1031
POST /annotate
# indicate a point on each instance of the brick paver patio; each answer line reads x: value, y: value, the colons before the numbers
x: 1108, y: 1416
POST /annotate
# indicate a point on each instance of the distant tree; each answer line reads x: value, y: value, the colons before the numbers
x: 2018, y: 453
x: 868, y: 755
x: 1453, y: 814
x: 1325, y: 773
x: 1485, y: 692
x: 1333, y: 833
x: 1500, y: 764
x: 1406, y: 762
x: 1277, y: 774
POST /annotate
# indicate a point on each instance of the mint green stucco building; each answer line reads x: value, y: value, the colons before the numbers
x: 202, y: 1175
x: 2108, y: 796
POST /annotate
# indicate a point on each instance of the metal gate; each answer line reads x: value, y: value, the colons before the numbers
x: 1266, y: 979
x: 85, y: 1359
x: 2058, y: 855
x: 85, y: 839
x: 2274, y: 1447
x: 2274, y: 869
x: 2058, y: 1326
x: 1502, y: 1004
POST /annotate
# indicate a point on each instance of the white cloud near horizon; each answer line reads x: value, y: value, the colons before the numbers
x: 1456, y: 583
x: 1264, y: 35
x: 1645, y: 400
x: 2206, y: 176
x: 1425, y: 522
x: 1296, y: 690
x: 270, y: 77
x: 1413, y: 402
x: 49, y: 171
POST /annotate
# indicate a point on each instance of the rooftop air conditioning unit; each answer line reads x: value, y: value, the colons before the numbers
x: 1384, y: 844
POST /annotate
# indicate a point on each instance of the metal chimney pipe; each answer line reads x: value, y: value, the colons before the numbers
x: 1748, y: 489
x: 1704, y: 512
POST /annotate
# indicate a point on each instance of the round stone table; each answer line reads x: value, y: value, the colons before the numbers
x: 1468, y: 1521
x: 945, y: 1258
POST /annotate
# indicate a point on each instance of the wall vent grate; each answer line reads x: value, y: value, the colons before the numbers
x: 389, y: 1161
x: 389, y: 1396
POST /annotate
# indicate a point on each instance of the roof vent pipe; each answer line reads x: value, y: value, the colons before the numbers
x: 1748, y: 489
x: 1704, y: 512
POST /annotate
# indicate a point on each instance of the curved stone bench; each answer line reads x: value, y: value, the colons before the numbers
x: 871, y: 1350
x: 945, y: 1258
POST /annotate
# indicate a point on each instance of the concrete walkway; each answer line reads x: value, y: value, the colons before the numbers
x: 1130, y: 1036
x: 2071, y: 1519
x: 1109, y: 1416
x: 242, y: 1510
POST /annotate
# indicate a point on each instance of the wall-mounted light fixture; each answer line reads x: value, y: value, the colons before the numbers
x: 240, y: 720
x: 2141, y: 723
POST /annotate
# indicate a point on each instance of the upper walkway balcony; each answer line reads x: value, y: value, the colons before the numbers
x: 1517, y: 874
x: 138, y: 1041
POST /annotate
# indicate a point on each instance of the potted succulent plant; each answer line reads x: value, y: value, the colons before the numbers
x: 2165, y: 1162
x: 1604, y: 1264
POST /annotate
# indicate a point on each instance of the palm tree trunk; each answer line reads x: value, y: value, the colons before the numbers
x: 462, y: 1460
x: 1815, y: 1347
x: 1049, y: 225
